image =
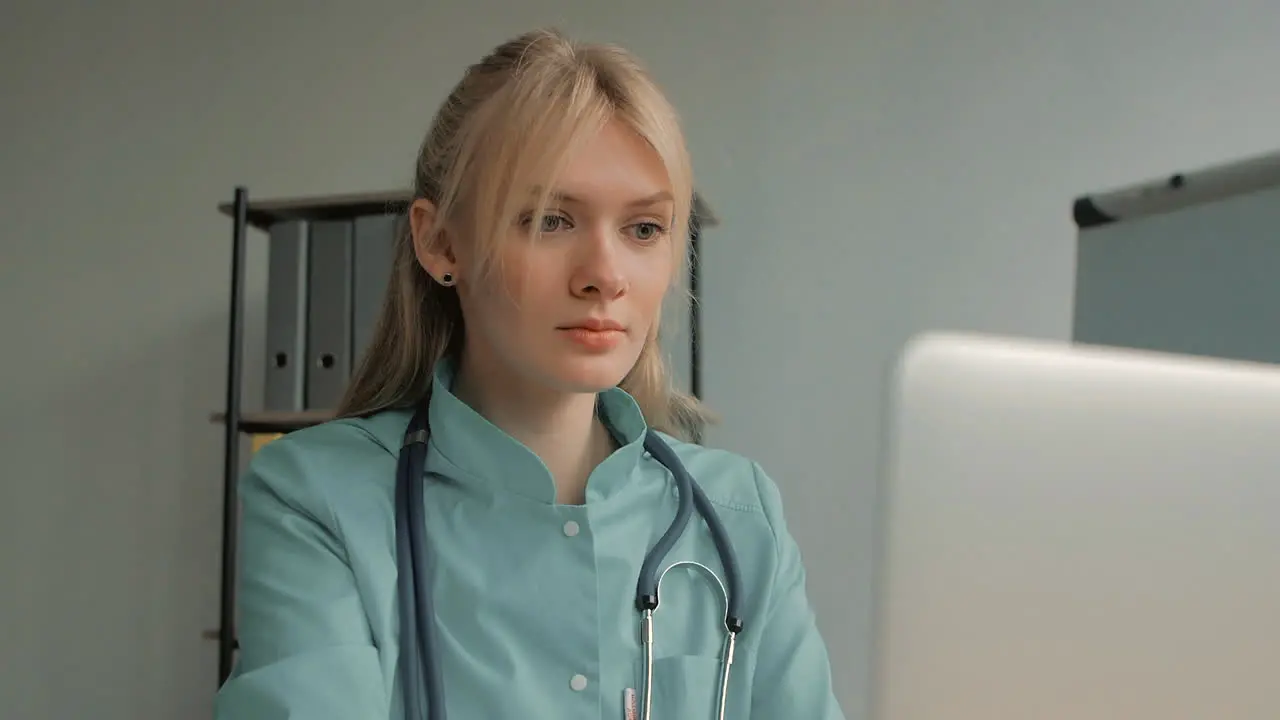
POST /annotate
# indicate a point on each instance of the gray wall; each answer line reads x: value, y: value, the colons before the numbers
x: 881, y: 167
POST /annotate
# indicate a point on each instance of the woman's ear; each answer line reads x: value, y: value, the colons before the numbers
x: 431, y: 243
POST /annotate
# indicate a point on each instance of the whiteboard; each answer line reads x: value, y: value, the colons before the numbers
x: 1187, y: 264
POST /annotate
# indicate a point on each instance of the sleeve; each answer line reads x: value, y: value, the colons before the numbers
x: 306, y: 650
x: 793, y: 671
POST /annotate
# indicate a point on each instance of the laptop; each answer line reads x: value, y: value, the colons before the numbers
x: 1078, y: 533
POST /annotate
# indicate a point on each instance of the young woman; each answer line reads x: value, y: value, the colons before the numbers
x: 552, y: 197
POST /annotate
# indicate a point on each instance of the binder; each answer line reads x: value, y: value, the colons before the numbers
x: 286, y: 333
x: 329, y: 300
x: 374, y: 244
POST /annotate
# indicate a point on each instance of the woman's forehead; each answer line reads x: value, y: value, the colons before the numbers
x: 614, y: 164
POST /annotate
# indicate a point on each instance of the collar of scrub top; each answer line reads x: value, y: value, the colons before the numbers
x: 488, y: 455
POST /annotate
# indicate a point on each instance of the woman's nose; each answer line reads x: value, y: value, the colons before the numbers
x: 599, y: 268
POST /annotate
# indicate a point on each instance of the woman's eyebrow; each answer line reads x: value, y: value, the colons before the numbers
x: 564, y: 197
x: 658, y: 197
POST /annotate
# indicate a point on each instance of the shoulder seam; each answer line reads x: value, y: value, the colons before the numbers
x: 337, y: 526
x: 721, y: 502
x: 322, y: 513
x: 332, y: 523
x: 756, y: 473
x: 365, y: 431
x: 738, y: 506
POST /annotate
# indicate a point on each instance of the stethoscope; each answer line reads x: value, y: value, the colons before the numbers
x: 417, y: 621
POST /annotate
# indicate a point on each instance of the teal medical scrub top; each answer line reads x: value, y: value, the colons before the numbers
x: 534, y: 601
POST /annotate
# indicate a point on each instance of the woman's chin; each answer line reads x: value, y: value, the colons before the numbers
x: 592, y: 374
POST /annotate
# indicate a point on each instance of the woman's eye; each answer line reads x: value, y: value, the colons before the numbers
x: 546, y: 223
x: 647, y: 231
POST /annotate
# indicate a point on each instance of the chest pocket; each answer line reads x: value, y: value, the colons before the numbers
x: 687, y: 687
x: 689, y: 637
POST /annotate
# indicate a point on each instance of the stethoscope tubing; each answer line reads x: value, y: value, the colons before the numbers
x: 421, y: 636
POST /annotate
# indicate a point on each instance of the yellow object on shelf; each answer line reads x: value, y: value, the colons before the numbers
x: 260, y: 440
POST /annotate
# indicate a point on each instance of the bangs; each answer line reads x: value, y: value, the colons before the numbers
x: 523, y: 139
x: 524, y: 135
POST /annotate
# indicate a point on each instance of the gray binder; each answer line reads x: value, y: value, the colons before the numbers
x: 329, y: 313
x: 284, y: 382
x: 374, y: 238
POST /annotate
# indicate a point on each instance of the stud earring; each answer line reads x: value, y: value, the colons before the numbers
x: 446, y: 279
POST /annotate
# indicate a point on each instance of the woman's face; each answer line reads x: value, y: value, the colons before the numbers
x: 571, y: 309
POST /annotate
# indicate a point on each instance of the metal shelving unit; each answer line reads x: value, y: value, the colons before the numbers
x: 237, y: 423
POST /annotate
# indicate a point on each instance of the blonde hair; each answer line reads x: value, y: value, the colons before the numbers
x: 507, y: 127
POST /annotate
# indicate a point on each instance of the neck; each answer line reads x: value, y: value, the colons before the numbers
x: 560, y: 428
